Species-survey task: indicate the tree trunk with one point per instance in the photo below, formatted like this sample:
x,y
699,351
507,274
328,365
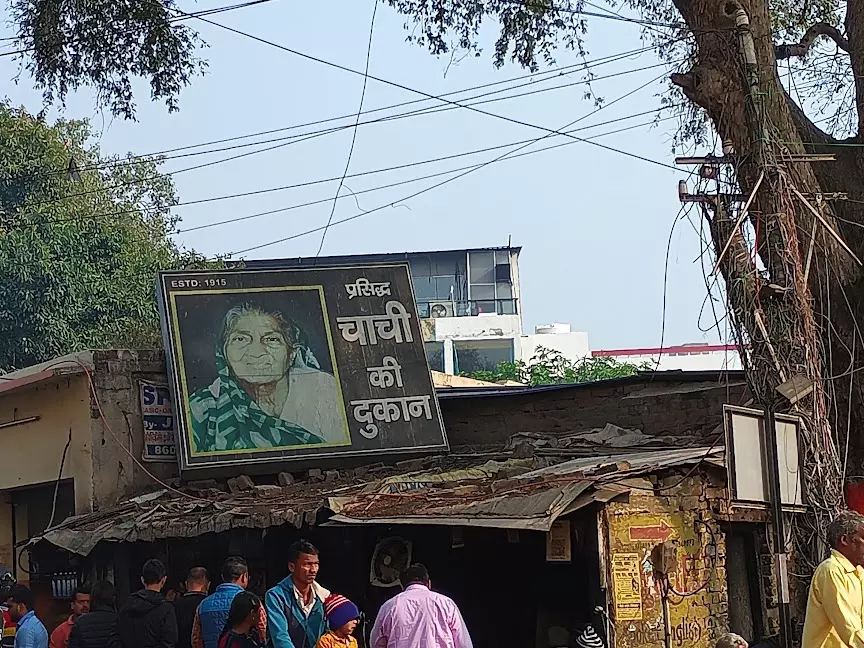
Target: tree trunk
x,y
800,316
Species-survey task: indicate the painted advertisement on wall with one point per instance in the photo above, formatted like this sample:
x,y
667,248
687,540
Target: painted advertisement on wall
x,y
275,365
635,528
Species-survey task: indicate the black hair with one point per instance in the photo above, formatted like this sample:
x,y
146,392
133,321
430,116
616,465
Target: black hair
x,y
415,573
103,594
301,547
242,605
153,572
197,575
83,590
234,568
21,594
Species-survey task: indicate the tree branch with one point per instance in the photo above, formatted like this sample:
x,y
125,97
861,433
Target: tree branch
x,y
789,50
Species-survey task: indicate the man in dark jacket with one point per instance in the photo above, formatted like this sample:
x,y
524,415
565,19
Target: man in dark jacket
x,y
97,628
147,620
186,607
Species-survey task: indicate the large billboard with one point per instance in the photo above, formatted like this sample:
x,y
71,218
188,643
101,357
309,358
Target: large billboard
x,y
280,365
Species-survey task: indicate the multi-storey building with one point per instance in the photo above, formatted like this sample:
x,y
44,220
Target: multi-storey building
x,y
468,299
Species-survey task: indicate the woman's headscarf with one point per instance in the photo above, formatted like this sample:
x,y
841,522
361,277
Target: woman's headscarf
x,y
225,417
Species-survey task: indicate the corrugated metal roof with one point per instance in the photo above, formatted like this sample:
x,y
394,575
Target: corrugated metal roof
x,y
517,493
533,500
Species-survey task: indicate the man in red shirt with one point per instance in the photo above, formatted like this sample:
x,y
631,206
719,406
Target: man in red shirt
x,y
80,605
7,625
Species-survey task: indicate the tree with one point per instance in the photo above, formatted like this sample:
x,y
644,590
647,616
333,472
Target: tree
x,y
81,240
106,45
797,311
550,367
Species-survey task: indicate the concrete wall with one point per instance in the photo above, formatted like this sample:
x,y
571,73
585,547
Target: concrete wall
x,y
687,410
116,475
32,452
478,327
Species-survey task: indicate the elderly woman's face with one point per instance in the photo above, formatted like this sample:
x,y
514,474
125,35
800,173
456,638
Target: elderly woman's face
x,y
256,349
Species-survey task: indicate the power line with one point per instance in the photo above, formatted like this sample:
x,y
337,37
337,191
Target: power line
x,y
465,171
354,194
354,129
461,175
394,84
399,167
559,72
297,139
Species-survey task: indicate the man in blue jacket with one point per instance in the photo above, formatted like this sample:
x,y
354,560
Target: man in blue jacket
x,y
213,611
295,606
30,632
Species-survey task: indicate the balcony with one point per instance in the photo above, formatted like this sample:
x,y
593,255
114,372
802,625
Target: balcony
x,y
468,308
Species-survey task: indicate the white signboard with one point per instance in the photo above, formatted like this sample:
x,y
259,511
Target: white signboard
x,y
157,414
747,460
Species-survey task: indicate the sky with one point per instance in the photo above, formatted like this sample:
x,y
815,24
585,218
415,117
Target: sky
x,y
593,223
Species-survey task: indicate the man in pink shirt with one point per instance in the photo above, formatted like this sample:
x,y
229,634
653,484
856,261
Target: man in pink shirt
x,y
419,617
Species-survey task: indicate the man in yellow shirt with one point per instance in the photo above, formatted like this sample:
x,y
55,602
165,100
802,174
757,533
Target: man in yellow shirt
x,y
835,608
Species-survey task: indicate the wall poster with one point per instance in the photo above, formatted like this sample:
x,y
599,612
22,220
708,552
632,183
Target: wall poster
x,y
160,443
276,365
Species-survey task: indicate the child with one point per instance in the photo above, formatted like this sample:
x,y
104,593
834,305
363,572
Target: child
x,y
343,616
240,629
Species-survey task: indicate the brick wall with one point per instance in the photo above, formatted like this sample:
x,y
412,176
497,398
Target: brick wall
x,y
684,516
117,375
690,411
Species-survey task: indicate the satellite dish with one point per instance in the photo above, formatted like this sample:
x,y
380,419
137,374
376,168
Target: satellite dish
x,y
390,558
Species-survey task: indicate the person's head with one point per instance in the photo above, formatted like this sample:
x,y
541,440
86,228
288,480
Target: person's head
x,y
731,640
19,601
303,563
81,601
846,535
415,574
197,580
103,595
342,615
153,575
235,570
244,613
258,345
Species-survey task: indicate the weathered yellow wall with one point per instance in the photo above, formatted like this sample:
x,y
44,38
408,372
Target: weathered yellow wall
x,y
32,452
683,517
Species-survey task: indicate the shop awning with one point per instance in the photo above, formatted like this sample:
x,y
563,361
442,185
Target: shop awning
x,y
531,501
511,494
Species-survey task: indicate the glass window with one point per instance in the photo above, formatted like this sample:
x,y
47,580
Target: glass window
x,y
445,288
435,355
482,267
482,355
420,268
502,256
481,292
506,306
424,288
503,291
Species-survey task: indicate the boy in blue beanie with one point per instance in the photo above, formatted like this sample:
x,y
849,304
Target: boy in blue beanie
x,y
342,617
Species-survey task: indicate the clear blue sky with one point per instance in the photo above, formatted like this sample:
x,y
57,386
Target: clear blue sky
x,y
593,224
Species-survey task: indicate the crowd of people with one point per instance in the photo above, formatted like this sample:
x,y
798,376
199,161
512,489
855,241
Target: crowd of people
x,y
297,612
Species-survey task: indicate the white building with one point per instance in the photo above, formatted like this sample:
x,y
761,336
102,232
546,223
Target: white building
x,y
685,357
